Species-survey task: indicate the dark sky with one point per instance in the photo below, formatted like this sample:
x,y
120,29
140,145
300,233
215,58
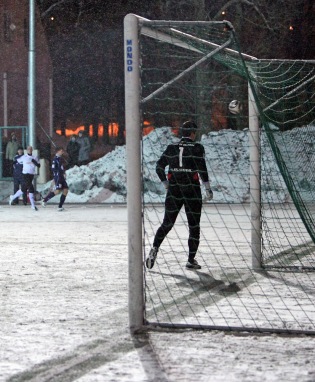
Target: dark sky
x,y
86,46
87,50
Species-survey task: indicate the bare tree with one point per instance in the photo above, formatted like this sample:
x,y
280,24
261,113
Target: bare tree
x,y
266,28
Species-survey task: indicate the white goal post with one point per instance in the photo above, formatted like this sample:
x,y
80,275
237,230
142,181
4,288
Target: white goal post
x,y
133,26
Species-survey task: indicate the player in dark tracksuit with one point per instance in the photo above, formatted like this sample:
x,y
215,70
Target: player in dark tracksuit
x,y
18,175
186,163
60,184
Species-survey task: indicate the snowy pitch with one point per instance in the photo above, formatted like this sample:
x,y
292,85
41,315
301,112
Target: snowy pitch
x,y
64,314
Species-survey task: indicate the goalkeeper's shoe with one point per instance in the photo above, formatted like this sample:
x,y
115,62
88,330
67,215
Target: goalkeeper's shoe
x,y
43,203
193,264
11,199
151,258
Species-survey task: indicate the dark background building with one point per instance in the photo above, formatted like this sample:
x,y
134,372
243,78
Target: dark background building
x,y
14,73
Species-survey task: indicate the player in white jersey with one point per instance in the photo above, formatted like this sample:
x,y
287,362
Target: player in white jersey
x,y
30,162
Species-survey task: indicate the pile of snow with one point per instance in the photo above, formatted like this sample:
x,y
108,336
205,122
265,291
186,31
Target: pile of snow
x,y
227,156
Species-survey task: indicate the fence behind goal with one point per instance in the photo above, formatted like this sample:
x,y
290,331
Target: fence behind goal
x,y
193,70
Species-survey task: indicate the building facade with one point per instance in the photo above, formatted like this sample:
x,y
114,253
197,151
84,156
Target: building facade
x,y
14,37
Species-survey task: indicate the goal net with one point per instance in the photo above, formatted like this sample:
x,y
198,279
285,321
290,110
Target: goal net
x,y
256,240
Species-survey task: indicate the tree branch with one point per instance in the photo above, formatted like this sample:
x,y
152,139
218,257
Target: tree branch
x,y
53,6
249,3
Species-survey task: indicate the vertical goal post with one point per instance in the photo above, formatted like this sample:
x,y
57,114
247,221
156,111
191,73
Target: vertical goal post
x,y
133,166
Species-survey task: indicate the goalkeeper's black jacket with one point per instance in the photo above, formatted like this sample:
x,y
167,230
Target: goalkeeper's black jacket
x,y
185,160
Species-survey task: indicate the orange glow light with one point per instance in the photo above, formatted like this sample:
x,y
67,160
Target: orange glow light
x,y
91,130
100,130
74,132
113,128
147,128
69,132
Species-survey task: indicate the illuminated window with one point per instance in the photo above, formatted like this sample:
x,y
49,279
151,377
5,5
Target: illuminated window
x,y
113,129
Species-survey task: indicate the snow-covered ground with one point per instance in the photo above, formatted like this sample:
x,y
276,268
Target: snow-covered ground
x,y
64,283
64,312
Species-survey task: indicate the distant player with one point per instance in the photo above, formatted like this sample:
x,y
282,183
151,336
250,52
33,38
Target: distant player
x,y
29,162
60,184
18,175
186,163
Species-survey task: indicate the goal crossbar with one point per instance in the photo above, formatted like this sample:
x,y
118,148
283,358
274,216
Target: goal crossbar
x,y
162,36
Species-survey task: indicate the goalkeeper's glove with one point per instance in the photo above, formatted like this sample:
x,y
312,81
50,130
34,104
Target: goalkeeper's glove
x,y
165,184
209,193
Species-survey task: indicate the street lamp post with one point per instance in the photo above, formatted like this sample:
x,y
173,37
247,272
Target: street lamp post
x,y
31,77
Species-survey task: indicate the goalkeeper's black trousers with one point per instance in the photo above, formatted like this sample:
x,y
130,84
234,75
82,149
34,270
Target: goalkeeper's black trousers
x,y
177,196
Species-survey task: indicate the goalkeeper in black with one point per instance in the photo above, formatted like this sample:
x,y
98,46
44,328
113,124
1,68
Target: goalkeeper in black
x,y
186,163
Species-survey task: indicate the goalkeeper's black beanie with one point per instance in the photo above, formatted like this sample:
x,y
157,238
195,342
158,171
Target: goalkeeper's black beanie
x,y
189,127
